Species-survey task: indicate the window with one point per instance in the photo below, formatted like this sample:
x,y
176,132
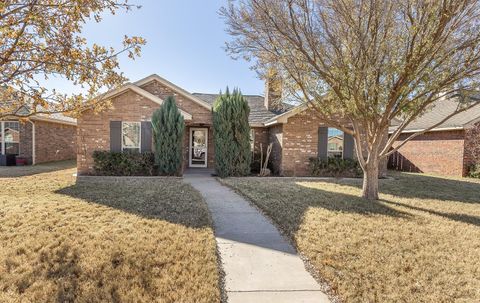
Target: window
x,y
131,136
335,143
252,140
10,137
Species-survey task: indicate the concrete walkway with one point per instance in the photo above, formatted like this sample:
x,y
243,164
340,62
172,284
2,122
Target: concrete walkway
x,y
259,265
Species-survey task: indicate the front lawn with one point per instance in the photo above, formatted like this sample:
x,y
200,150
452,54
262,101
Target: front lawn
x,y
109,240
419,243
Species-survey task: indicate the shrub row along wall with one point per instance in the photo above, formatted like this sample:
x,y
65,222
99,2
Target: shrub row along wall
x,y
124,163
334,167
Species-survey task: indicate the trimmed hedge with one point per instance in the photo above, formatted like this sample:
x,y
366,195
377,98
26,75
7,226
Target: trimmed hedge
x,y
335,167
107,163
474,171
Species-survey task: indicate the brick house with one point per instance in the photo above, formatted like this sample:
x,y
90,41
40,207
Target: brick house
x,y
449,149
295,132
40,139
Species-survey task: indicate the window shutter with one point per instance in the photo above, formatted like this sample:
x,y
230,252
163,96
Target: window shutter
x,y
322,142
348,146
146,134
116,136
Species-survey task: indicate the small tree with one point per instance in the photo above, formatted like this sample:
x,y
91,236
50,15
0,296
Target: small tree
x,y
168,127
231,134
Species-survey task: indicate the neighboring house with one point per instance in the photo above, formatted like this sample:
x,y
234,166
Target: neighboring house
x,y
449,149
43,138
335,145
295,132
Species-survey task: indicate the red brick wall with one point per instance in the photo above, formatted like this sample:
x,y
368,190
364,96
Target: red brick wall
x,y
26,141
260,137
275,136
54,142
472,147
201,117
200,114
94,129
260,144
300,142
439,152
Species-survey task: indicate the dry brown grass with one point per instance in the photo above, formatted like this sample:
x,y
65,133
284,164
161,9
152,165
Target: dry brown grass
x,y
419,243
104,241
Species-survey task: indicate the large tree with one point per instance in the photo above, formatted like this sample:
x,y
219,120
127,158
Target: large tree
x,y
41,39
369,62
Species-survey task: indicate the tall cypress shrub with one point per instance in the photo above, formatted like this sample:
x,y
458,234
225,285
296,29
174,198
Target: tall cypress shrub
x,y
231,134
168,127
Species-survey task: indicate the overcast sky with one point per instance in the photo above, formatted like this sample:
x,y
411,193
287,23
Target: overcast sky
x,y
185,40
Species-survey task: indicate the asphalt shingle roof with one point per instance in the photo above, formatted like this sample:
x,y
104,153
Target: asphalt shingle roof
x,y
258,112
58,117
441,109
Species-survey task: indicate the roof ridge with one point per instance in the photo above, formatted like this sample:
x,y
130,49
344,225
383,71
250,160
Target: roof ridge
x,y
247,95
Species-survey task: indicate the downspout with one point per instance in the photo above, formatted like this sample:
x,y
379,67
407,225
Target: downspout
x,y
33,142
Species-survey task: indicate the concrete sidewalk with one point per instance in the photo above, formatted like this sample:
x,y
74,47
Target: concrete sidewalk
x,y
259,265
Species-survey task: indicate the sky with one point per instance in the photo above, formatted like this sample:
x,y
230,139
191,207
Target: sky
x,y
185,40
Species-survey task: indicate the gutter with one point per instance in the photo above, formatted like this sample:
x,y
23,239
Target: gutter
x,y
53,120
269,123
432,130
256,124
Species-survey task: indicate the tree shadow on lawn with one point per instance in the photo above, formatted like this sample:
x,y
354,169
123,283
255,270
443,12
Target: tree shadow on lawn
x,y
420,186
57,264
160,199
431,187
451,216
347,203
289,210
60,268
410,186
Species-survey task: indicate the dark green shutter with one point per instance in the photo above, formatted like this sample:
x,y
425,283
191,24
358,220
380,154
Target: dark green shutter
x,y
348,146
146,136
322,142
116,136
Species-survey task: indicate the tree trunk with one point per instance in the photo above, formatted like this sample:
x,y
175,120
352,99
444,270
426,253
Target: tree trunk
x,y
370,180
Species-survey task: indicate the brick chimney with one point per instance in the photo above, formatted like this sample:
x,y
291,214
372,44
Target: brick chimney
x,y
273,91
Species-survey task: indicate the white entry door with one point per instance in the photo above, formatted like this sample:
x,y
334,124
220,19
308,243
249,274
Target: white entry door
x,y
198,147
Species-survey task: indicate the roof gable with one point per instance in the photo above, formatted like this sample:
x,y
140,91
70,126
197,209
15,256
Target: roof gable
x,y
174,87
144,93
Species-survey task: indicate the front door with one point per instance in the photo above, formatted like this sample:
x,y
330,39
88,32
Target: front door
x,y
198,147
